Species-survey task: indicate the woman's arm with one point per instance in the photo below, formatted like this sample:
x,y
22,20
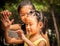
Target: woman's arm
x,y
46,37
10,40
27,41
15,27
42,43
6,23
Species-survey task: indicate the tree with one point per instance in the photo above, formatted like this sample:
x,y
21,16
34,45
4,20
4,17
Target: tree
x,y
51,3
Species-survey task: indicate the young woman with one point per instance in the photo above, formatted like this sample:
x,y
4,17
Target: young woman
x,y
24,9
34,28
23,13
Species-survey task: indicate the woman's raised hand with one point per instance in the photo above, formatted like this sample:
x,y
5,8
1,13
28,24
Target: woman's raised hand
x,y
5,19
6,12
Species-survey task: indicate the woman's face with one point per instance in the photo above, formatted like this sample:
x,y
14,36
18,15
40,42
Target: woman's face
x,y
24,12
32,25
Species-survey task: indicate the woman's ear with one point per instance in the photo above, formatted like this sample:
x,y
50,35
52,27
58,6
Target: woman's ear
x,y
40,24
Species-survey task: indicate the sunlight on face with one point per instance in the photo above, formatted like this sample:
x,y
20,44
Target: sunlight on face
x,y
31,25
24,12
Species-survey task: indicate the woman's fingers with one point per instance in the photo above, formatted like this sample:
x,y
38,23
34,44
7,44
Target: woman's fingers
x,y
6,22
6,12
12,21
3,12
20,32
2,20
5,19
4,16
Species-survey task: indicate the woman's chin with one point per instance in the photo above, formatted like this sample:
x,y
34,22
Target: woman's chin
x,y
29,34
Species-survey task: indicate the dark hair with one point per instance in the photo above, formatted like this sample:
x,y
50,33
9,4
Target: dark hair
x,y
42,18
24,3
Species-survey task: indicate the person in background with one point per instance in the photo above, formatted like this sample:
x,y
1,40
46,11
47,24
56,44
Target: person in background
x,y
35,24
24,9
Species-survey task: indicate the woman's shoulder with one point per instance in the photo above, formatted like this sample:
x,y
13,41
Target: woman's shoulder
x,y
40,41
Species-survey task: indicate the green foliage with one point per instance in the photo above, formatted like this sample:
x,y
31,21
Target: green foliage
x,y
41,5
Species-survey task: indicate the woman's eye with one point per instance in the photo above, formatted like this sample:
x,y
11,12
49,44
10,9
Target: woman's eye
x,y
31,12
30,24
22,15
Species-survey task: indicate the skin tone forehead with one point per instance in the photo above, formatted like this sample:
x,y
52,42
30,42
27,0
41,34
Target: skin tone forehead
x,y
26,8
31,19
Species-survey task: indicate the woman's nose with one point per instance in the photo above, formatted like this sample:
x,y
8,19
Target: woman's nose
x,y
28,27
26,15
